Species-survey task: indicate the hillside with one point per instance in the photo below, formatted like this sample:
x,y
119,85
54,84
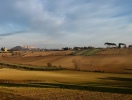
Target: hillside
x,y
87,52
91,52
107,60
115,52
100,77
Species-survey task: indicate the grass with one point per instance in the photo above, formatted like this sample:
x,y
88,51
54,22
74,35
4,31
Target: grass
x,y
92,52
88,52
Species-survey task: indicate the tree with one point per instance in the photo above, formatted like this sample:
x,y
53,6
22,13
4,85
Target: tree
x,y
77,64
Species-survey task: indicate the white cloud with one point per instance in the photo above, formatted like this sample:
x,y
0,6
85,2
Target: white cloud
x,y
66,22
38,17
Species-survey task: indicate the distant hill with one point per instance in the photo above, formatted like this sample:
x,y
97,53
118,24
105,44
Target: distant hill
x,y
122,51
94,51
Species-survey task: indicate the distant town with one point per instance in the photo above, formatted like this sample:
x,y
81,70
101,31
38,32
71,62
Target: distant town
x,y
31,48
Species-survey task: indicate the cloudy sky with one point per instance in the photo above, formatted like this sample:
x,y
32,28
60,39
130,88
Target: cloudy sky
x,y
61,23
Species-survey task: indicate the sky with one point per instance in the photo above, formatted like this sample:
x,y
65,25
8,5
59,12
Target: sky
x,y
65,23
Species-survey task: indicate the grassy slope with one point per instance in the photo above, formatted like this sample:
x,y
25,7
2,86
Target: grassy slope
x,y
88,52
115,52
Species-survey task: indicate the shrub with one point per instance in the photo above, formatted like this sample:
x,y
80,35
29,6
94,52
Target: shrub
x,y
77,64
60,66
49,64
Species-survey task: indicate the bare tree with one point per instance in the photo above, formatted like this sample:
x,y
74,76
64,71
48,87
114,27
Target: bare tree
x,y
77,64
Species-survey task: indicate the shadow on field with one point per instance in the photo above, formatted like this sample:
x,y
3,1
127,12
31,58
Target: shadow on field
x,y
119,85
128,69
118,79
118,82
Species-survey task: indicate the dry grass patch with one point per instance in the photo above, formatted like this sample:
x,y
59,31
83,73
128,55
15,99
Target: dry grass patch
x,y
57,94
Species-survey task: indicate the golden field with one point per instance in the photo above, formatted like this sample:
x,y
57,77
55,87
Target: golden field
x,y
63,85
112,81
26,93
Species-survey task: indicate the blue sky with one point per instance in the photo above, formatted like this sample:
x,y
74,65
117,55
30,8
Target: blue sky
x,y
61,23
